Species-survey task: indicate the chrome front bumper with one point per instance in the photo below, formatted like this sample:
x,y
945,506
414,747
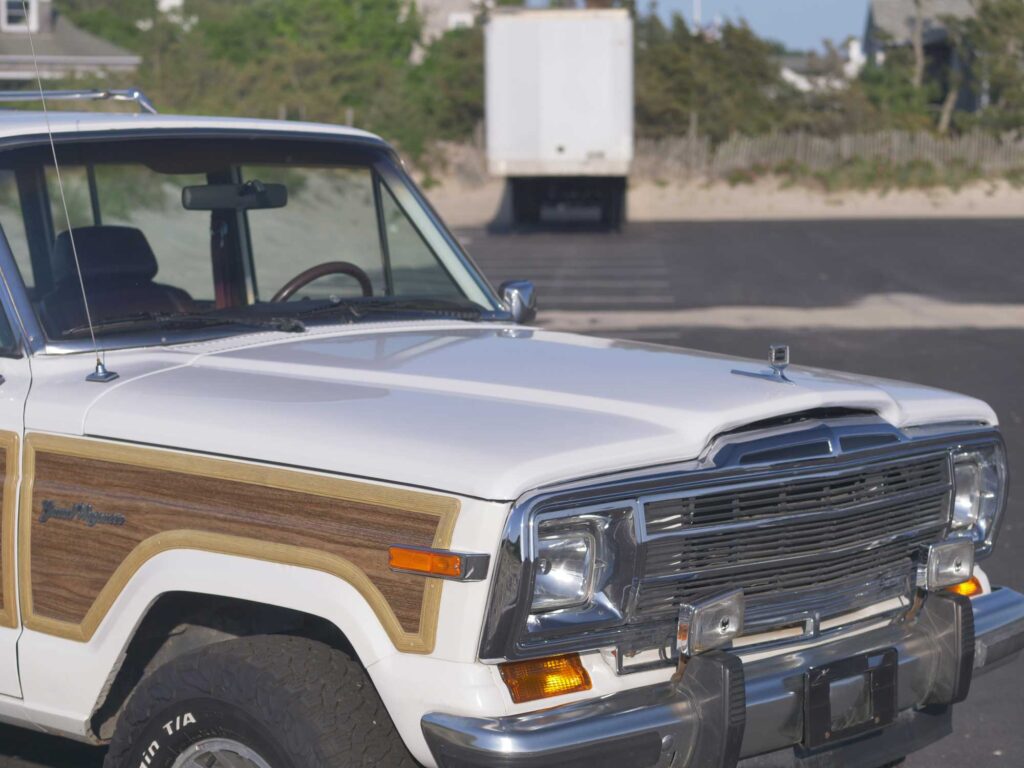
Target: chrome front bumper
x,y
694,724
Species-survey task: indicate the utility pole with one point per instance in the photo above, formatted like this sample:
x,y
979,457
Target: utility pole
x,y
696,14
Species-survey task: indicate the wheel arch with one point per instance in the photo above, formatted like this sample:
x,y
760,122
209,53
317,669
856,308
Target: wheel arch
x,y
181,622
205,597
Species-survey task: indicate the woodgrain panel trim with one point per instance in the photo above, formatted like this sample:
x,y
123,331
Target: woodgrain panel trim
x,y
438,512
8,516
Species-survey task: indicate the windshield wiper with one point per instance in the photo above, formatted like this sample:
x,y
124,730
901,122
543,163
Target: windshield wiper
x,y
169,320
356,309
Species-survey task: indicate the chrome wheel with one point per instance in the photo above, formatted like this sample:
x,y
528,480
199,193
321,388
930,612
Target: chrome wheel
x,y
220,753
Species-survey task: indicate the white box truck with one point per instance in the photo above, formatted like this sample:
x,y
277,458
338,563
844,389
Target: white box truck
x,y
559,108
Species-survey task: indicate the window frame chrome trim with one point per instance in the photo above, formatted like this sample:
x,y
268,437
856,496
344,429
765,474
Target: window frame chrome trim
x,y
504,627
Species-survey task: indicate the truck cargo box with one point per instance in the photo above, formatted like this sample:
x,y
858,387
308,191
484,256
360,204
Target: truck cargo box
x,y
559,93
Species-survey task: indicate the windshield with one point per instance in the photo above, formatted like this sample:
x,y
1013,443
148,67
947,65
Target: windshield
x,y
231,234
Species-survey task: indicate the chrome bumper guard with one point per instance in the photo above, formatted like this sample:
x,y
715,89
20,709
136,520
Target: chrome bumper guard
x,y
722,711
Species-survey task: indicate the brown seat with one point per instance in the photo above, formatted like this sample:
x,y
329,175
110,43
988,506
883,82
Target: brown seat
x,y
118,267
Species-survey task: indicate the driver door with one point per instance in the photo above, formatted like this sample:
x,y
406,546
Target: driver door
x,y
15,376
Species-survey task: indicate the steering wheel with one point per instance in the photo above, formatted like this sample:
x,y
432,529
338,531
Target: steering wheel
x,y
322,270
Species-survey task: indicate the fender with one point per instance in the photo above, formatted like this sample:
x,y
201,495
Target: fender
x,y
106,529
63,679
94,512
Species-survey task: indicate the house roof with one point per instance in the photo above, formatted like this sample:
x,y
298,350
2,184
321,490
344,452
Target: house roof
x,y
896,18
63,49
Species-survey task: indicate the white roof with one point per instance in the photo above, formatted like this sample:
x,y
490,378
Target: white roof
x,y
25,123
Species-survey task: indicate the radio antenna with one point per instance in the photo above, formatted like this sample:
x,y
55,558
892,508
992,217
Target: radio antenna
x,y
100,373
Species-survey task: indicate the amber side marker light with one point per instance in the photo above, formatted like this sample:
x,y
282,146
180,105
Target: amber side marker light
x,y
543,678
424,561
968,588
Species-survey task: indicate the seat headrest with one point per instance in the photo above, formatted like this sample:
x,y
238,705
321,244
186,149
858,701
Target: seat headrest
x,y
104,252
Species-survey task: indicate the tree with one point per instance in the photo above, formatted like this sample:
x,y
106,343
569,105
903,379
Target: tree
x,y
732,82
313,59
889,88
955,30
830,111
449,84
329,59
991,45
917,43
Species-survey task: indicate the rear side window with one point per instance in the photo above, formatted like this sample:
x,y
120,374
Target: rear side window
x,y
13,224
9,346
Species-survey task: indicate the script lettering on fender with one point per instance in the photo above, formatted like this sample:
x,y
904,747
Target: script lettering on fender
x,y
81,513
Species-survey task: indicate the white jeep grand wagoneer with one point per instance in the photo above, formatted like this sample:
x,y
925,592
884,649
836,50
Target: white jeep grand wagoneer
x,y
288,484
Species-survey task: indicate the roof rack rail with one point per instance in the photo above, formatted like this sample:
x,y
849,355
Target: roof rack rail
x,y
126,94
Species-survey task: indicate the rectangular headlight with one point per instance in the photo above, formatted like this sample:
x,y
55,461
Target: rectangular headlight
x,y
564,576
581,570
979,480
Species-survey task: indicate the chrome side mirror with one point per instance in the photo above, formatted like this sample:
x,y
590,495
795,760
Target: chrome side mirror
x,y
520,298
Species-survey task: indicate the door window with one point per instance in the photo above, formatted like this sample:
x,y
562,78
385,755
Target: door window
x,y
13,224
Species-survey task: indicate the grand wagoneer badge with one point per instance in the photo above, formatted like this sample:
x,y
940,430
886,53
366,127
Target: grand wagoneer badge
x,y
82,513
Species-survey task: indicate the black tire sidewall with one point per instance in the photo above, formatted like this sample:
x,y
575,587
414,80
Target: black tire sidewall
x,y
178,727
294,701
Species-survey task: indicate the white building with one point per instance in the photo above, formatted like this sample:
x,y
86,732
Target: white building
x,y
439,16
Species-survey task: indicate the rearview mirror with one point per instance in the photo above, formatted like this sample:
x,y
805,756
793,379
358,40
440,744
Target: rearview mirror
x,y
521,299
250,196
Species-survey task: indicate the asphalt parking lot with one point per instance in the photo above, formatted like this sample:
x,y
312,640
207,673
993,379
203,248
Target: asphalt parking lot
x,y
966,269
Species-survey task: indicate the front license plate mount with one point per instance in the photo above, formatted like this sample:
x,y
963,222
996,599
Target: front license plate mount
x,y
848,698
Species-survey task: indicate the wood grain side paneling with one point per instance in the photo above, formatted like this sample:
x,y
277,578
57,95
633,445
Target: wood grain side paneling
x,y
134,503
9,460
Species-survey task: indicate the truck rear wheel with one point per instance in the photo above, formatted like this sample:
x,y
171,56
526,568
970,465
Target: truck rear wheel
x,y
257,702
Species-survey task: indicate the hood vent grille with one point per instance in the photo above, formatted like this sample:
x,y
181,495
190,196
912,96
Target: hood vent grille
x,y
799,452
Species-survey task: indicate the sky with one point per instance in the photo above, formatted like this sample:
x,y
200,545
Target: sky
x,y
800,24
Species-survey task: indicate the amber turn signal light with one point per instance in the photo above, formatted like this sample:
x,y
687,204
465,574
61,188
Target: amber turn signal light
x,y
968,588
543,678
425,561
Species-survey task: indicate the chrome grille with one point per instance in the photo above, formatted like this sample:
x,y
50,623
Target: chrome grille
x,y
824,542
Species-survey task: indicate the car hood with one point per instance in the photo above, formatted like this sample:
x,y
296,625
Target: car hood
x,y
483,411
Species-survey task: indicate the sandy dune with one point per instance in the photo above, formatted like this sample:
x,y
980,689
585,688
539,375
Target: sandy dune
x,y
476,204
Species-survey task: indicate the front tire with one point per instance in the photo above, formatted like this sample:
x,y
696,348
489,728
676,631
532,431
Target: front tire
x,y
257,702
